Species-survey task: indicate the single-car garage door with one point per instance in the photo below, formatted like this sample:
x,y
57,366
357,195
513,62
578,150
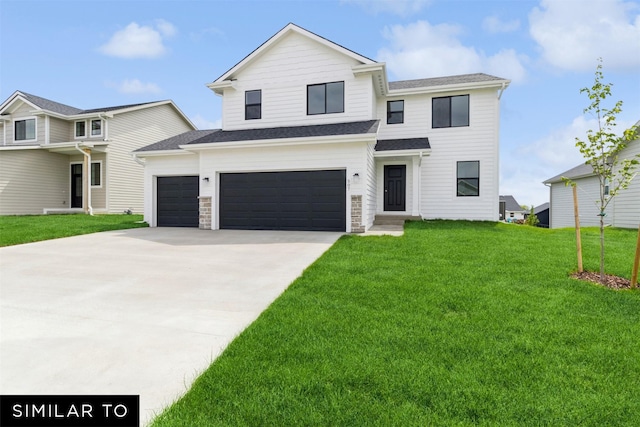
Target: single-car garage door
x,y
299,200
177,201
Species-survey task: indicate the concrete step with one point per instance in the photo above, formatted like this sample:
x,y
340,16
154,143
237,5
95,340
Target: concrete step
x,y
394,219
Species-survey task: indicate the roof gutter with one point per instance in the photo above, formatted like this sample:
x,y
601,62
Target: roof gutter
x,y
504,86
88,170
137,160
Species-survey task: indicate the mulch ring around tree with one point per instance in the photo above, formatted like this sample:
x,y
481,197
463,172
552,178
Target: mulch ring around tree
x,y
613,282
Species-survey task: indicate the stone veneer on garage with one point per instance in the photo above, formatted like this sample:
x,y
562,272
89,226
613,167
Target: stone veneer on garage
x,y
356,215
204,222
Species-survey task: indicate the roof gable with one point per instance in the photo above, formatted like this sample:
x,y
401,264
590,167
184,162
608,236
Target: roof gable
x,y
511,204
288,29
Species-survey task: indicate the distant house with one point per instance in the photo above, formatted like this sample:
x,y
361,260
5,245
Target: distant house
x,y
623,211
542,213
58,158
315,137
510,209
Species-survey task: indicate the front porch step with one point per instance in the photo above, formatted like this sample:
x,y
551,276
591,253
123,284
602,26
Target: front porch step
x,y
394,219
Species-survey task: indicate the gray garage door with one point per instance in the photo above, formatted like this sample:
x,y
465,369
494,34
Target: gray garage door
x,y
300,200
177,201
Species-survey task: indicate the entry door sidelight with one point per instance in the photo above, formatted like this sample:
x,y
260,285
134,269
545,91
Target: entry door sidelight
x,y
395,187
76,185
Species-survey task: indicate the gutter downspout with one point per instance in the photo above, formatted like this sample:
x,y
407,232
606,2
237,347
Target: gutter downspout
x,y
88,171
504,86
137,160
550,202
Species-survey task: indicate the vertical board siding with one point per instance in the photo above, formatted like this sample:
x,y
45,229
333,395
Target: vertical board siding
x,y
283,73
32,180
127,132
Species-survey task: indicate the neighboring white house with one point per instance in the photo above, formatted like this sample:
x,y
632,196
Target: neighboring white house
x,y
512,209
55,158
314,137
623,211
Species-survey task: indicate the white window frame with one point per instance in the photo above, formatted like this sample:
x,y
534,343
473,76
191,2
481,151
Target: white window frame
x,y
90,174
75,135
21,119
91,134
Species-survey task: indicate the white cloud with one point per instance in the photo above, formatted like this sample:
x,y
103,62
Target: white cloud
x,y
135,86
202,123
397,7
493,24
135,41
422,50
573,34
525,168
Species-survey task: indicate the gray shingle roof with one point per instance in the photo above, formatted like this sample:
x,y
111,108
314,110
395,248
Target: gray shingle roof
x,y
47,104
511,204
67,110
217,135
541,208
175,142
402,144
443,81
576,172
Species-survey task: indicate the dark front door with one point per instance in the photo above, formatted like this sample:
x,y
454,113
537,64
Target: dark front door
x,y
296,200
395,187
76,185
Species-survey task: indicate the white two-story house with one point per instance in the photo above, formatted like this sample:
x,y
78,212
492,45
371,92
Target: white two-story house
x,y
58,158
315,137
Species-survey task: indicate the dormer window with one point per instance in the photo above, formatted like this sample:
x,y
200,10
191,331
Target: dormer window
x,y
25,130
252,104
81,129
96,127
325,98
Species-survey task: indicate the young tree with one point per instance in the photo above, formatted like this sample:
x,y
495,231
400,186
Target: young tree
x,y
532,219
602,148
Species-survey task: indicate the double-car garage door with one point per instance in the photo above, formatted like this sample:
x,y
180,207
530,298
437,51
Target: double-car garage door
x,y
296,200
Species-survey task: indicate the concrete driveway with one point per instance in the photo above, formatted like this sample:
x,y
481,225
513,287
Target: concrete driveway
x,y
140,311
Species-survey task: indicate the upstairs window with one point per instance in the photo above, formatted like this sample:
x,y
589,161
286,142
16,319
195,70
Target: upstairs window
x,y
395,112
96,127
450,111
25,130
325,98
81,129
468,175
252,104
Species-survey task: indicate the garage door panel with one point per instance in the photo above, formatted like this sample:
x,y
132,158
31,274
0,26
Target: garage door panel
x,y
177,201
297,200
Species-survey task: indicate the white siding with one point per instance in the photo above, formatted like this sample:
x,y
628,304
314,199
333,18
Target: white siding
x,y
176,165
626,209
283,73
561,213
21,112
124,178
349,156
32,180
370,199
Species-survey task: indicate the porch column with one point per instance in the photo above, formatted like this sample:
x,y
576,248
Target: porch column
x,y
417,185
86,180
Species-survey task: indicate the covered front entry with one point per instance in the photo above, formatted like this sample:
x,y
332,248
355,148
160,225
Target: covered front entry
x,y
177,201
296,200
395,187
76,185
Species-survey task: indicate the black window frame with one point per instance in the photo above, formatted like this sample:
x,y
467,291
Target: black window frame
x,y
96,174
326,102
467,179
447,121
251,108
22,134
397,116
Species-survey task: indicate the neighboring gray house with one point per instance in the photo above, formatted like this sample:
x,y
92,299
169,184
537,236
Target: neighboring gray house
x,y
542,213
314,137
57,158
510,209
623,211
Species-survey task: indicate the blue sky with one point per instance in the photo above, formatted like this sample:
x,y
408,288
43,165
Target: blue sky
x,y
92,54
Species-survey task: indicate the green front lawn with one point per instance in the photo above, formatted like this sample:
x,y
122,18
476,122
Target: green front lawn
x,y
15,230
455,323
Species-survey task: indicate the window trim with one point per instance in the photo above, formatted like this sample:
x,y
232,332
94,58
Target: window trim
x,y
96,135
24,119
433,126
458,178
96,162
75,129
325,98
389,112
247,105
